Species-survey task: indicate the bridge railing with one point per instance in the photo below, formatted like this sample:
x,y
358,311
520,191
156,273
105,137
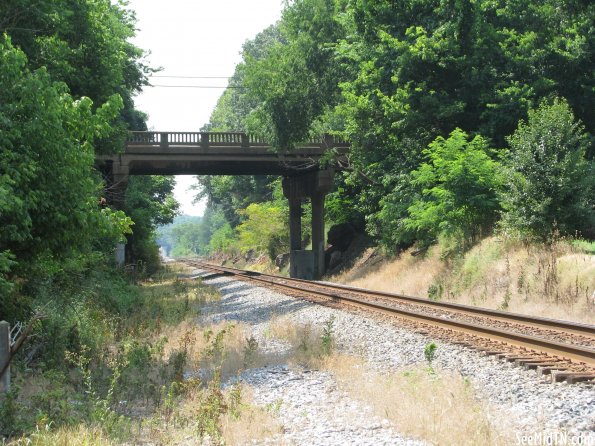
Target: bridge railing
x,y
216,139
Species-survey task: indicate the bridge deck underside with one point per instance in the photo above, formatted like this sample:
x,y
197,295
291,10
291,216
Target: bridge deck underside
x,y
184,160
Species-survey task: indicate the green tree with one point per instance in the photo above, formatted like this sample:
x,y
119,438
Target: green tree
x,y
166,236
550,185
49,190
393,76
85,44
187,240
236,104
295,79
424,68
223,239
265,229
230,194
458,187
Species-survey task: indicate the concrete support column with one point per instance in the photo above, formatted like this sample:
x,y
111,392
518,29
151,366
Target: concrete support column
x,y
295,224
318,240
120,174
5,356
306,264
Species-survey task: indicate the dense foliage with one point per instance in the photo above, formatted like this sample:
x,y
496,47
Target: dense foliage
x,y
458,190
49,192
181,237
68,74
150,203
397,78
550,184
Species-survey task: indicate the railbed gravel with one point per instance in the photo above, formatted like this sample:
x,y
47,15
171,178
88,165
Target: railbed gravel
x,y
517,400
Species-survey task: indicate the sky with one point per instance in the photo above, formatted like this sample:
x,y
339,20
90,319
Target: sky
x,y
193,38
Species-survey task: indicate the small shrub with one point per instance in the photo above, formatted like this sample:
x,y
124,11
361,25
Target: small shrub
x,y
430,353
211,406
9,411
326,339
506,300
458,187
261,230
250,351
435,292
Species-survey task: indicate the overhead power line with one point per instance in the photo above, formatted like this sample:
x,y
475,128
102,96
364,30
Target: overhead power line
x,y
193,86
191,77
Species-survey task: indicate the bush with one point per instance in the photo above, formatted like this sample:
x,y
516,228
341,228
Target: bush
x,y
550,184
264,230
458,190
223,239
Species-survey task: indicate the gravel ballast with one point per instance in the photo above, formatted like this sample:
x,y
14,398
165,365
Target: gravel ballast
x,y
314,411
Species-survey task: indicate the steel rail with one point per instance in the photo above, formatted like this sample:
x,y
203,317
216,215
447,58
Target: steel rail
x,y
539,322
569,351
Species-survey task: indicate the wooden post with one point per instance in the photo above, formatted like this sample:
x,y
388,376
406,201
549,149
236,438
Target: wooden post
x,y
5,356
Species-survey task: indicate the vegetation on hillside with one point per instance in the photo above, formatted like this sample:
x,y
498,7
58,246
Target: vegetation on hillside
x,y
555,280
464,117
68,74
133,376
182,237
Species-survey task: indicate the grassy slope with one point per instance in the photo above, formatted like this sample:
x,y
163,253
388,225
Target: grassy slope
x,y
135,387
556,281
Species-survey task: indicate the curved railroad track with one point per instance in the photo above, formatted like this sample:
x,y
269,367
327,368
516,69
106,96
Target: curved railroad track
x,y
565,350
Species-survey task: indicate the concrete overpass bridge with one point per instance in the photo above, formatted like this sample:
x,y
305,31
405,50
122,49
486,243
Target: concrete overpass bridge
x,y
232,153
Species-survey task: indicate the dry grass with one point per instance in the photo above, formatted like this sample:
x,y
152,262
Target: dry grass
x,y
307,342
203,351
251,424
241,422
406,275
194,405
440,408
72,436
170,387
556,282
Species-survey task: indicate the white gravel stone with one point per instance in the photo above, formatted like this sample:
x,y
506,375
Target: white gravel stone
x,y
314,412
517,399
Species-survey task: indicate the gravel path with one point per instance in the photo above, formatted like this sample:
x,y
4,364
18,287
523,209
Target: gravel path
x,y
518,400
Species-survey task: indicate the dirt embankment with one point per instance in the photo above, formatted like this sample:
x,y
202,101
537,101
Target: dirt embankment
x,y
556,281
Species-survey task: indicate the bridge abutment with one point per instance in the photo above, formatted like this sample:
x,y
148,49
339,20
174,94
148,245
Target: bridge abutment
x,y
307,264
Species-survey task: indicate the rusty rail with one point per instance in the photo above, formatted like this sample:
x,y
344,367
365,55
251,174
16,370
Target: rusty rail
x,y
582,354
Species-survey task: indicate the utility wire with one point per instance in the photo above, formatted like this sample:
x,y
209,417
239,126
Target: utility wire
x,y
192,77
193,86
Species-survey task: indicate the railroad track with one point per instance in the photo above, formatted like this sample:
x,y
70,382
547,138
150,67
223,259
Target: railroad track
x,y
563,350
